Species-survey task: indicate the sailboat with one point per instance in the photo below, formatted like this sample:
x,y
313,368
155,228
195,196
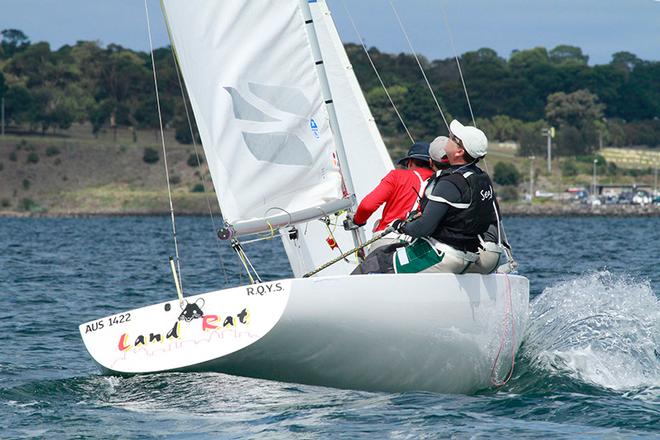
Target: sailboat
x,y
291,146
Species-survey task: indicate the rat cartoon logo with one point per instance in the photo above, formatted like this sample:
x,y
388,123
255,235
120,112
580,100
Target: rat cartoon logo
x,y
192,311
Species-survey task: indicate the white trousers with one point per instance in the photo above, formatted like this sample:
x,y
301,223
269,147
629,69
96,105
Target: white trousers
x,y
391,238
489,259
453,260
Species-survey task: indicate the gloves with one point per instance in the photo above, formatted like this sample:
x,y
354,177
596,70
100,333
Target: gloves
x,y
397,225
349,223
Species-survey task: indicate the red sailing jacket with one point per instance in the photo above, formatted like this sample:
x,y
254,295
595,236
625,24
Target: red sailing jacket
x,y
398,190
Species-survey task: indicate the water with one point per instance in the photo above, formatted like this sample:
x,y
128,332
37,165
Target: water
x,y
589,366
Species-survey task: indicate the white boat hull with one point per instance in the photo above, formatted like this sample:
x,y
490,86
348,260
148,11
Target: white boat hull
x,y
434,332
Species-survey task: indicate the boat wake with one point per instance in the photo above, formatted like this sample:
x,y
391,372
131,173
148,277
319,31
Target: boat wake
x,y
599,330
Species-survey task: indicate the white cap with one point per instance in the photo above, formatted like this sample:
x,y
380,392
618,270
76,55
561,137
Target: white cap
x,y
474,140
437,148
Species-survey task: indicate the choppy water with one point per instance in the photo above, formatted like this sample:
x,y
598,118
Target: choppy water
x,y
589,366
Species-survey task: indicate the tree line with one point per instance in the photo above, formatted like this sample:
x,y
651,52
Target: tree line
x,y
514,99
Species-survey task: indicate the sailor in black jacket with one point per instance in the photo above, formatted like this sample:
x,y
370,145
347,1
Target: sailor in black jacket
x,y
457,208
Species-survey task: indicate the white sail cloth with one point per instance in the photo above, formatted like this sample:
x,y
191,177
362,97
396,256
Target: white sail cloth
x,y
366,153
251,78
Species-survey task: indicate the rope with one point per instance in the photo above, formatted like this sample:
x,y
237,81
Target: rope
x,y
348,253
373,66
428,84
507,310
199,163
162,138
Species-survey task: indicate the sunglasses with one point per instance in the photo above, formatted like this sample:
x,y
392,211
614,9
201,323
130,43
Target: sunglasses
x,y
455,139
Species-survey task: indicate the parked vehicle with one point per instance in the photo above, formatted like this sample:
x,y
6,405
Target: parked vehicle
x,y
579,195
625,198
641,197
609,200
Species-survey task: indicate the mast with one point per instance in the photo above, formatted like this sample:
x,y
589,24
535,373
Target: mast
x,y
358,235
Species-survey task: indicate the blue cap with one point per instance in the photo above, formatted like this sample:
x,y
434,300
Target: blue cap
x,y
419,150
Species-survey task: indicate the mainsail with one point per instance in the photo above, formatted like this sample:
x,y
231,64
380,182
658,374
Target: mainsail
x,y
255,91
251,78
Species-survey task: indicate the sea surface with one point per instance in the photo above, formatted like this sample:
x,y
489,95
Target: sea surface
x,y
589,366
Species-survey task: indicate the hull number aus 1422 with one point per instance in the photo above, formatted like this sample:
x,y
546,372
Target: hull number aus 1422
x,y
113,320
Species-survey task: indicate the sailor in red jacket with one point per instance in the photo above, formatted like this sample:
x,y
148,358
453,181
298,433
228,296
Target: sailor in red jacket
x,y
400,191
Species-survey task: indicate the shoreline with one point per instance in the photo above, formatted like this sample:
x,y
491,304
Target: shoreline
x,y
579,210
521,210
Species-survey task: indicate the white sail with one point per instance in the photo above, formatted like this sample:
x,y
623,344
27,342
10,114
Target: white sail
x,y
365,151
252,81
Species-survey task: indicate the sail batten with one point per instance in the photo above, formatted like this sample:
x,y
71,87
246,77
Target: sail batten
x,y
250,74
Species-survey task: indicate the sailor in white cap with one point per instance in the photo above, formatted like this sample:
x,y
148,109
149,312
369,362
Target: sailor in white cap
x,y
457,210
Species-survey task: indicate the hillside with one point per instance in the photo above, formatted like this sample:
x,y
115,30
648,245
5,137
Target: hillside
x,y
75,173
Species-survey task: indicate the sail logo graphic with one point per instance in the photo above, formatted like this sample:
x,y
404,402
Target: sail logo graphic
x,y
315,128
275,122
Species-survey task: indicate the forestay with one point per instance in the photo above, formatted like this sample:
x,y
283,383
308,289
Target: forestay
x,y
253,85
368,158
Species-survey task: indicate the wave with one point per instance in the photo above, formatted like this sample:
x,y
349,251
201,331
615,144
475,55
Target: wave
x,y
598,330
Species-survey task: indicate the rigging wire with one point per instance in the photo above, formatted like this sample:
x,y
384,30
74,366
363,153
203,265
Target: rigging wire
x,y
428,84
460,71
373,66
162,138
199,163
458,63
247,264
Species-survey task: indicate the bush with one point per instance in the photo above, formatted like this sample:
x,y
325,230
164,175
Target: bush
x,y
52,151
182,134
182,131
192,160
26,184
508,193
33,158
589,158
568,168
2,166
506,174
175,180
199,188
5,203
612,169
150,155
28,205
13,157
